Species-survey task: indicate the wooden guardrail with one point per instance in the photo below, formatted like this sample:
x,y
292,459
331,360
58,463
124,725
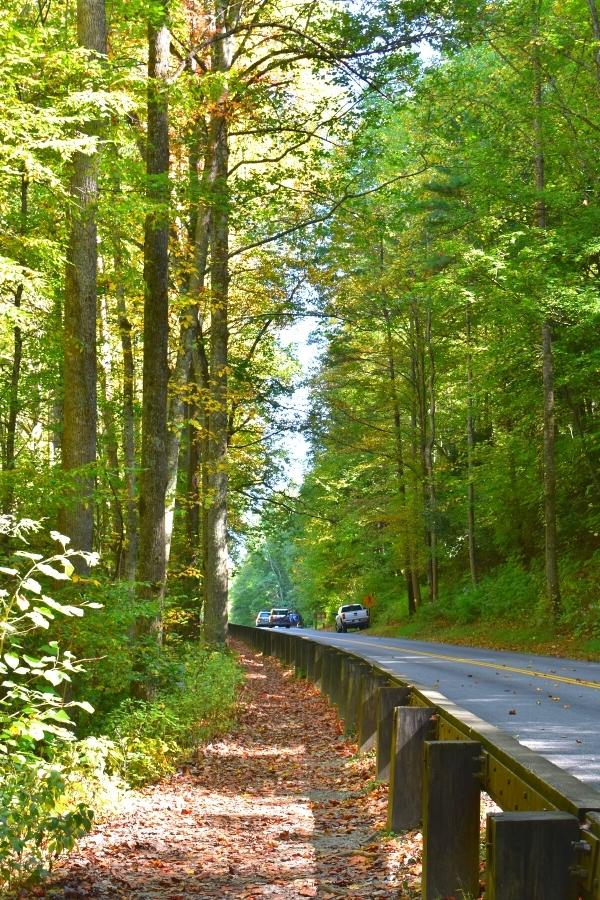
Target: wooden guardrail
x,y
438,758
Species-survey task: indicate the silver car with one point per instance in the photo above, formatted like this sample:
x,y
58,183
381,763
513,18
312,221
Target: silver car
x,y
262,619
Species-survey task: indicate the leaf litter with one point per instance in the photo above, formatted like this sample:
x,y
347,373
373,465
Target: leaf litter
x,y
281,807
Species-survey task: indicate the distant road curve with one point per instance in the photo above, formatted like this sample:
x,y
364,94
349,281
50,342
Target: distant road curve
x,y
550,705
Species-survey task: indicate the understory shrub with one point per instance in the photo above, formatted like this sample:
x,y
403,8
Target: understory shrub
x,y
33,828
152,737
36,824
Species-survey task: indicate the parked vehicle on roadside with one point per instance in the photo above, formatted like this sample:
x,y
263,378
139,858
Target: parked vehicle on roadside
x,y
262,619
279,618
352,615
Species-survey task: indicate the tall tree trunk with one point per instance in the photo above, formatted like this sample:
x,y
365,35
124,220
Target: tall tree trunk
x,y
129,558
15,374
408,562
217,562
110,440
549,453
153,477
188,328
470,447
429,460
190,323
416,507
79,415
217,574
426,420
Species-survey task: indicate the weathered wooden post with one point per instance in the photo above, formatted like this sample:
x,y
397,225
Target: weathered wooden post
x,y
341,694
389,698
319,656
336,678
310,659
267,642
326,670
451,798
412,726
530,855
297,655
369,705
356,672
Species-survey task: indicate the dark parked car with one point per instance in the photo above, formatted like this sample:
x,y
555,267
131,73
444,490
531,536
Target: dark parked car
x,y
280,618
262,619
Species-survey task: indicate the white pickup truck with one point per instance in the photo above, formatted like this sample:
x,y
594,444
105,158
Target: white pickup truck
x,y
353,615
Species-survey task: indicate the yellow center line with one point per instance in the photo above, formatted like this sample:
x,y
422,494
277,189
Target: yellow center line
x,y
562,679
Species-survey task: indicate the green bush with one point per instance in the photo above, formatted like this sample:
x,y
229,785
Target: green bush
x,y
34,830
154,736
580,584
36,824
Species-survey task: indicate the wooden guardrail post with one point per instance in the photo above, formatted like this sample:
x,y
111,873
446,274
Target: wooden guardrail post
x,y
412,726
326,670
530,855
369,704
342,693
338,674
389,698
310,659
318,665
298,651
356,671
451,798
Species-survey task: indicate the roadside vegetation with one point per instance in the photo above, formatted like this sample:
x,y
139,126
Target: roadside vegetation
x,y
63,763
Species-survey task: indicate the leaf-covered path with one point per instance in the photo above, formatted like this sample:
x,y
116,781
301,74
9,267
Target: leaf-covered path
x,y
280,808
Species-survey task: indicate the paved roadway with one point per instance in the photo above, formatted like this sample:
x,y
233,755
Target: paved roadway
x,y
550,705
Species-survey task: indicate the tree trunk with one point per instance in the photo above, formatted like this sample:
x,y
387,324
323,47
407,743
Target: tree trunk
x,y
429,461
129,558
217,573
190,323
79,415
153,478
408,563
113,475
552,577
416,488
470,448
217,561
15,375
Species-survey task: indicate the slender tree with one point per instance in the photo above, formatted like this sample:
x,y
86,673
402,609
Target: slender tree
x,y
79,429
153,478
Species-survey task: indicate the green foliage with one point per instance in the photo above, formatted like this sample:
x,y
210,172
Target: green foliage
x,y
34,715
33,832
151,737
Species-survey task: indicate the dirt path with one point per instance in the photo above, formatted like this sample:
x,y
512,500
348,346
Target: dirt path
x,y
278,808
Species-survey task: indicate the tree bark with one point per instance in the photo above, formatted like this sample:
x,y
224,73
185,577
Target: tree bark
x,y
190,323
113,474
129,557
79,415
429,461
470,447
408,562
15,374
549,453
217,561
153,477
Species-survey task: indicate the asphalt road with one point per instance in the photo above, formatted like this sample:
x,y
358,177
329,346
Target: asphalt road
x,y
550,705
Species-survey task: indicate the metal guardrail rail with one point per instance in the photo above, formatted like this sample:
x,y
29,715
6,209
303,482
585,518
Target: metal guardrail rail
x,y
546,810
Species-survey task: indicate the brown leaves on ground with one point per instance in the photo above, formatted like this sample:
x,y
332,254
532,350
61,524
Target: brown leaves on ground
x,y
280,808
